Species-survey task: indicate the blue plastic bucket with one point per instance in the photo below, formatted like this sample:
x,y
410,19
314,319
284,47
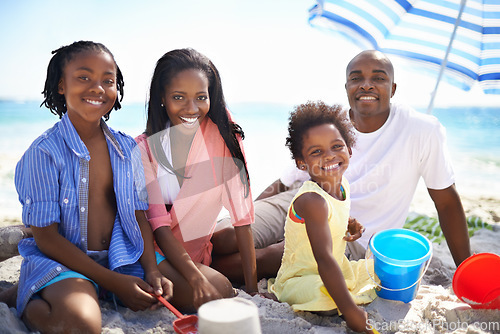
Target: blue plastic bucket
x,y
399,257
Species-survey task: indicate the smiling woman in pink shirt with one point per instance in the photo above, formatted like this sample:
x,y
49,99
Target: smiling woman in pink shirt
x,y
194,166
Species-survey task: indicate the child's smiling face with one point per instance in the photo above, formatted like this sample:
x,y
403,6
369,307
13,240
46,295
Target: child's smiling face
x,y
88,84
324,153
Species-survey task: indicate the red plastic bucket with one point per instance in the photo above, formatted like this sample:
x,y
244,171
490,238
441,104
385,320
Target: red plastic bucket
x,y
477,281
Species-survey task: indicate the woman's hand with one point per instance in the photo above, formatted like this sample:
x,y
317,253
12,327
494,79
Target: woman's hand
x,y
203,291
354,230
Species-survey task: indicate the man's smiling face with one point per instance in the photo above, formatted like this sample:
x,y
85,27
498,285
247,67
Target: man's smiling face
x,y
370,84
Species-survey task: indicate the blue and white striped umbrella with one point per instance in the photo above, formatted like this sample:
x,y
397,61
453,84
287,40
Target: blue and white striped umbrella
x,y
460,36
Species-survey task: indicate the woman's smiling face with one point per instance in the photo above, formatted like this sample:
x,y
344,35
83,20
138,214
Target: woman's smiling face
x,y
186,99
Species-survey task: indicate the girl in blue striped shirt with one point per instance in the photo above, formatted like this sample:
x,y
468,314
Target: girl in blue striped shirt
x,y
78,184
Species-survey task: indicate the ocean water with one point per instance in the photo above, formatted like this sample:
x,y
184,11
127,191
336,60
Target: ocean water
x,y
473,138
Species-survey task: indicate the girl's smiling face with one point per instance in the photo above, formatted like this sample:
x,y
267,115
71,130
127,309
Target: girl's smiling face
x,y
88,84
186,99
324,153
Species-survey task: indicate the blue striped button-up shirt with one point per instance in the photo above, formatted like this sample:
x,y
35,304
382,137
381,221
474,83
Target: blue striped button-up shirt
x,y
52,182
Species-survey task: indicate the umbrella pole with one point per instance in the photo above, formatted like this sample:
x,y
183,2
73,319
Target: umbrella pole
x,y
445,60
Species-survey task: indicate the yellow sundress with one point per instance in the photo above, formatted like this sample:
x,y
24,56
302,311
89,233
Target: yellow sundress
x,y
298,282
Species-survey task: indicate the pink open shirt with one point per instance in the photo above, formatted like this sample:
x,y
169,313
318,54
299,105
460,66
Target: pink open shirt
x,y
212,181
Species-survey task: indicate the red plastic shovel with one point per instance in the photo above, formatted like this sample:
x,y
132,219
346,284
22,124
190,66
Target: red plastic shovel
x,y
186,324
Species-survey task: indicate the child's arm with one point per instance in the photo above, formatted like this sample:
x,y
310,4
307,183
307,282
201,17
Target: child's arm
x,y
247,251
130,290
152,275
313,208
203,290
160,284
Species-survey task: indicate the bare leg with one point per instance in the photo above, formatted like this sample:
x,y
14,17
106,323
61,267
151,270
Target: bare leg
x,y
268,233
229,264
183,293
70,305
224,242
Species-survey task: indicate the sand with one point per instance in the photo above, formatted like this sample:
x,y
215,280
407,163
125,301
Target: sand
x,y
435,309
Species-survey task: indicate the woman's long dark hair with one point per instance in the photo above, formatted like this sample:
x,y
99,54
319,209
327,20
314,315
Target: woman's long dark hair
x,y
57,102
167,67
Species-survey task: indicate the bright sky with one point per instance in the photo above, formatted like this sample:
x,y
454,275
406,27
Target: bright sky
x,y
264,49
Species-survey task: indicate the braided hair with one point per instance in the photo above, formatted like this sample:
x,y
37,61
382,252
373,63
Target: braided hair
x,y
57,102
167,67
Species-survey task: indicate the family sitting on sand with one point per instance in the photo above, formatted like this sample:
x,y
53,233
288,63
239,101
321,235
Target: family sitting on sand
x,y
107,217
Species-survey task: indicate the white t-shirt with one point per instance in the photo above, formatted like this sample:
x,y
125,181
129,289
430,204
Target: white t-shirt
x,y
292,174
386,165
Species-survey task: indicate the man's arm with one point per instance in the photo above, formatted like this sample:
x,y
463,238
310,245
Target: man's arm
x,y
453,223
273,189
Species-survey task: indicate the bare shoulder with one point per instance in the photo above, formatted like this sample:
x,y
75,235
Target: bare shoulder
x,y
311,205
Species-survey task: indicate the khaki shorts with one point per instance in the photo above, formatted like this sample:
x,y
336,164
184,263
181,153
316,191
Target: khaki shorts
x,y
354,251
269,226
270,215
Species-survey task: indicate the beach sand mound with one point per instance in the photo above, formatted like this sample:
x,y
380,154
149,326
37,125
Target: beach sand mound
x,y
436,309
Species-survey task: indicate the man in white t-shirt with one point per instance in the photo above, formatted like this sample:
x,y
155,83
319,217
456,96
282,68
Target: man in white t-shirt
x,y
395,146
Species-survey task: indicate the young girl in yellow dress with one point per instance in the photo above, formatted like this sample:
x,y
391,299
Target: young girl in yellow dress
x,y
315,275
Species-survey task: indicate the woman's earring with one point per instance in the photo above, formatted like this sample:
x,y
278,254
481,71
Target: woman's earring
x,y
162,105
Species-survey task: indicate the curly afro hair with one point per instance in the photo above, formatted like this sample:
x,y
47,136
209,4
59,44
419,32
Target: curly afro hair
x,y
311,114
